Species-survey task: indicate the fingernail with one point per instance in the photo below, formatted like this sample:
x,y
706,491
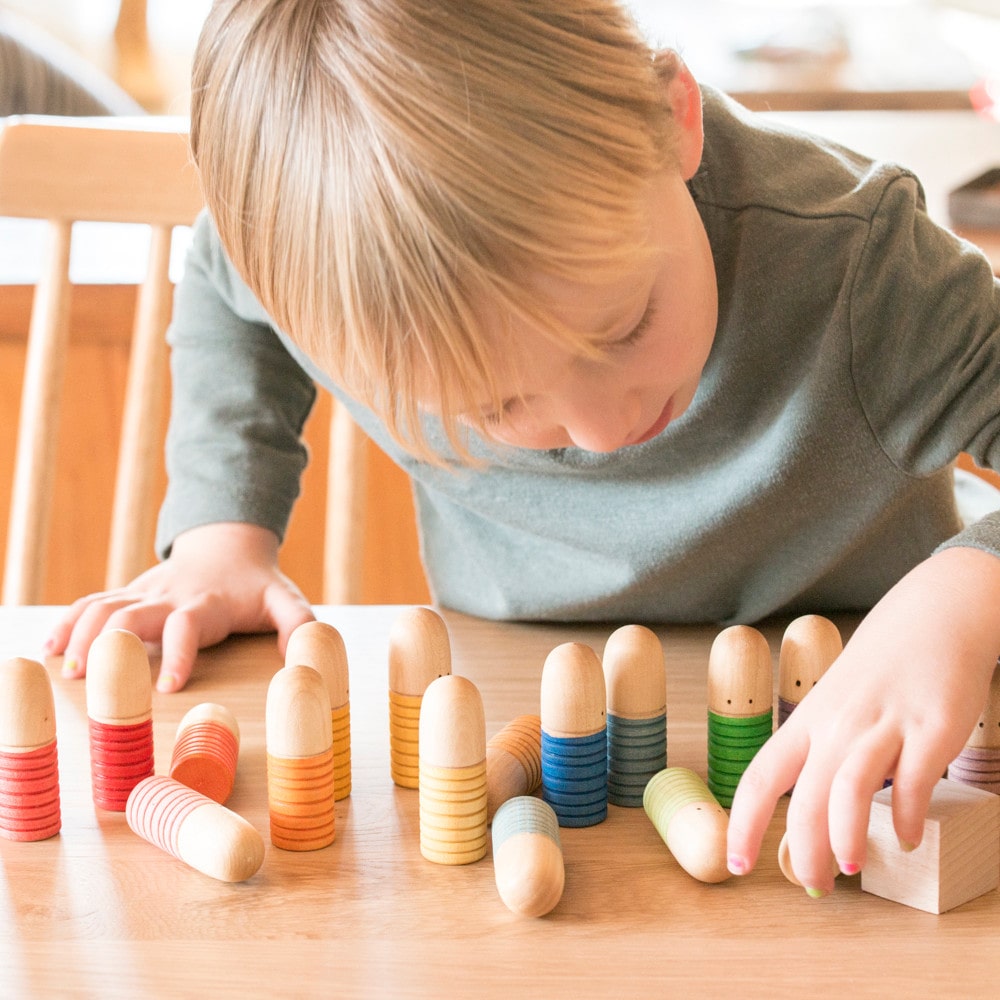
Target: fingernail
x,y
906,846
816,893
737,865
849,867
166,683
70,667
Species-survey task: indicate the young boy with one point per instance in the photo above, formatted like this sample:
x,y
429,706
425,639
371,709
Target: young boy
x,y
645,357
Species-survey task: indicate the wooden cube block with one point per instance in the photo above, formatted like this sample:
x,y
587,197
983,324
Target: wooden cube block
x,y
957,860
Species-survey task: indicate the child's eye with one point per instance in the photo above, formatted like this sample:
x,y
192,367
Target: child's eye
x,y
636,333
497,417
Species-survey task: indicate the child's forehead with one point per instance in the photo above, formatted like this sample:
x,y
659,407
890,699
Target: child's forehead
x,y
521,355
596,308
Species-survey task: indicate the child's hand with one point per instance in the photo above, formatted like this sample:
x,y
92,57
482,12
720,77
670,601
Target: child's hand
x,y
900,702
219,579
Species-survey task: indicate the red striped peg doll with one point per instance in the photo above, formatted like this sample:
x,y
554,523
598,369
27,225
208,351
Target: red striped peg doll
x,y
194,829
29,767
120,711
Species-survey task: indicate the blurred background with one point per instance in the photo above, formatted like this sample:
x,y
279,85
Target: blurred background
x,y
920,54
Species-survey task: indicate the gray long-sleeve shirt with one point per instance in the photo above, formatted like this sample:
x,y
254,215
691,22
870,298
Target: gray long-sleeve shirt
x,y
857,352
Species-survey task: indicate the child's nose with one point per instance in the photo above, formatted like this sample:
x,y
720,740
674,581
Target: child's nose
x,y
595,422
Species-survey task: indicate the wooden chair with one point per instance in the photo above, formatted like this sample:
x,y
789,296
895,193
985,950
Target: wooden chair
x,y
135,171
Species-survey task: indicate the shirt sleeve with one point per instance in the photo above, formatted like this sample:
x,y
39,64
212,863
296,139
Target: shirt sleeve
x,y
925,328
239,403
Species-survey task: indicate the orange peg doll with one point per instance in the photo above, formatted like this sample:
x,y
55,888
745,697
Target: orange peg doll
x,y
419,653
320,646
513,761
300,778
206,750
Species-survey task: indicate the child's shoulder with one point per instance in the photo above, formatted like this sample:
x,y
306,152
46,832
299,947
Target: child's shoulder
x,y
208,258
751,161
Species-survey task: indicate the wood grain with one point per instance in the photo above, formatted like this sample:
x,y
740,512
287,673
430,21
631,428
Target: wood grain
x,y
98,912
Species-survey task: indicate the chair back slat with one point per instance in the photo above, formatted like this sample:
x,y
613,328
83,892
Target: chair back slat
x,y
98,170
65,170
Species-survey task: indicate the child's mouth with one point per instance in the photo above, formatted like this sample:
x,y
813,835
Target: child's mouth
x,y
661,422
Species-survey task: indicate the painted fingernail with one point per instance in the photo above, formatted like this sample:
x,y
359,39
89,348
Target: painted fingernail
x,y
816,893
907,846
737,865
70,668
849,867
166,683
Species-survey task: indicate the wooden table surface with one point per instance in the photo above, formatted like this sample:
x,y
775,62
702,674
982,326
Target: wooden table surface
x,y
98,912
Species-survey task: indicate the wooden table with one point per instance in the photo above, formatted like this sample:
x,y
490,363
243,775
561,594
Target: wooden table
x,y
97,912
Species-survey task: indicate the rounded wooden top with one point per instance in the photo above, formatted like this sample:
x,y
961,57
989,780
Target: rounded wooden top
x,y
119,685
220,843
740,679
321,646
697,839
27,709
573,695
209,712
419,651
297,714
635,673
810,644
987,731
452,729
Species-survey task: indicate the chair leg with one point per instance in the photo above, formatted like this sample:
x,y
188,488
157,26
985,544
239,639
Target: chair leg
x,y
133,520
346,499
27,533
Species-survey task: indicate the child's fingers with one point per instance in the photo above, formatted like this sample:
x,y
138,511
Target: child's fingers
x,y
871,760
287,609
769,775
808,830
912,787
185,631
91,621
65,623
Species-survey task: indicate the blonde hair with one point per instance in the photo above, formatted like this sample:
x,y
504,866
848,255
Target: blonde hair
x,y
384,172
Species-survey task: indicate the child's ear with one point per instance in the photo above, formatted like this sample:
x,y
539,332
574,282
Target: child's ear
x,y
684,98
